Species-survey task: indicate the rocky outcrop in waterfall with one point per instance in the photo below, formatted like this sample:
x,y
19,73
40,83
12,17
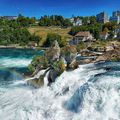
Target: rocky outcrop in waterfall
x,y
60,59
69,53
53,53
57,60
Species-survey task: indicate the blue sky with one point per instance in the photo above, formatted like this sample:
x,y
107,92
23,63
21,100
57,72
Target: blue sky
x,y
66,8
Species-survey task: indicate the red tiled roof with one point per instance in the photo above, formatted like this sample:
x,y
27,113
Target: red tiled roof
x,y
83,34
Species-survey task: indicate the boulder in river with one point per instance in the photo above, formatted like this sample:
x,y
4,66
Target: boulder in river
x,y
53,74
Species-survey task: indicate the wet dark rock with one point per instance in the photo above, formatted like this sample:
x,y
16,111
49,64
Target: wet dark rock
x,y
53,74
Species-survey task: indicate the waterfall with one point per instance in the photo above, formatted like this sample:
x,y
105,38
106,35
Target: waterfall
x,y
36,76
87,93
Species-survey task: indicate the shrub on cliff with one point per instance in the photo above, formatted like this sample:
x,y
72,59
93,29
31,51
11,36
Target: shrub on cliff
x,y
31,68
59,66
38,62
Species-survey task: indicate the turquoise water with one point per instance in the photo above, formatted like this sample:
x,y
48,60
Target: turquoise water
x,y
14,62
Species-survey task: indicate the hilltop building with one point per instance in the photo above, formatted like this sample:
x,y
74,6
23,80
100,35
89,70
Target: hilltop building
x,y
115,17
116,13
104,35
9,17
84,36
102,17
76,21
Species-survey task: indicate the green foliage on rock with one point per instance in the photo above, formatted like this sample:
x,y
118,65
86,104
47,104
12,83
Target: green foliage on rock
x,y
38,62
69,53
31,68
59,66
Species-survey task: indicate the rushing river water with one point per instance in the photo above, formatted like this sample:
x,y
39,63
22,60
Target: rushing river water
x,y
91,92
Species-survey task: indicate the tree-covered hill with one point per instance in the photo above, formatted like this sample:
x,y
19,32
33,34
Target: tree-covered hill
x,y
15,32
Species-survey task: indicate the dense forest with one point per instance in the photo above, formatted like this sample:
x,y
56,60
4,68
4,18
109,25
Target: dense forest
x,y
15,31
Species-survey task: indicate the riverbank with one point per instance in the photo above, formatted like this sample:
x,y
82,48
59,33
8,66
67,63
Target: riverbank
x,y
14,46
22,47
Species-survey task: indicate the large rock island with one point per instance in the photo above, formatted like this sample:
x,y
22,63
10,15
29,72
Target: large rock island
x,y
53,63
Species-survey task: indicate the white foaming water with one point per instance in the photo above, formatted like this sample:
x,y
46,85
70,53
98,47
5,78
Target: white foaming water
x,y
75,95
7,62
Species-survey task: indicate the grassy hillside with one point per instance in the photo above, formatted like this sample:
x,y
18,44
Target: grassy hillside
x,y
43,31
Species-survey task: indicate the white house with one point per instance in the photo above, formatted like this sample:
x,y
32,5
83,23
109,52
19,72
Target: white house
x,y
82,36
76,21
104,35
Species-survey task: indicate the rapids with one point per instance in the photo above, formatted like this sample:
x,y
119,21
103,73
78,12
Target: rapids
x,y
91,92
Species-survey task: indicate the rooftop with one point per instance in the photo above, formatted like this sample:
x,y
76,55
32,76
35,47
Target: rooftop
x,y
85,34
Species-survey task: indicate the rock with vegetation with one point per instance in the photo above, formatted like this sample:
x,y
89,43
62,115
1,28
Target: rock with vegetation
x,y
69,52
57,68
38,63
53,53
52,60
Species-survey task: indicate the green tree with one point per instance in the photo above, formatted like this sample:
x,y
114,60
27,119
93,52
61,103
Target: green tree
x,y
110,25
51,37
93,20
54,20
